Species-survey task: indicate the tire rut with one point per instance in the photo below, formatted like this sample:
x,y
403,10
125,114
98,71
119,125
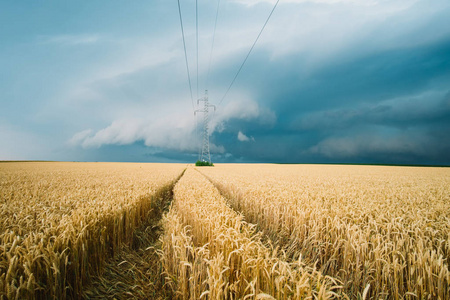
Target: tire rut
x,y
136,271
269,240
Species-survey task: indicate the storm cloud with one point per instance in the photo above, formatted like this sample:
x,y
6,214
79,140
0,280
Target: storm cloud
x,y
330,81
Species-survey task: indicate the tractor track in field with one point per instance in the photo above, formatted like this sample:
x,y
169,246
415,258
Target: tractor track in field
x,y
136,271
290,251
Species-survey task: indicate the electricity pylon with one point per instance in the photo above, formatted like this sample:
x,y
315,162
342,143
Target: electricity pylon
x,y
206,156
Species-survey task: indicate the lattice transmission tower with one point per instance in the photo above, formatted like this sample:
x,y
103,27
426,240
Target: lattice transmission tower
x,y
206,156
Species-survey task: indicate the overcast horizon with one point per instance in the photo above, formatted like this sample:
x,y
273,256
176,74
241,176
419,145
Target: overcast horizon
x,y
329,81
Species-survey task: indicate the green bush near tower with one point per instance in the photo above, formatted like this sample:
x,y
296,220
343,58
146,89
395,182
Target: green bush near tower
x,y
200,163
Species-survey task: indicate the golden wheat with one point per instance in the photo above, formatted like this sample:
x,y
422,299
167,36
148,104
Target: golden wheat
x,y
59,222
383,231
283,232
209,251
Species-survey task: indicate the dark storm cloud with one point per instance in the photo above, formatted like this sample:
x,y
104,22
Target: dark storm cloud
x,y
427,109
373,78
328,81
388,107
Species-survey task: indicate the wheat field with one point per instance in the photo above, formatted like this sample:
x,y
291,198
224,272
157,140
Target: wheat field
x,y
386,229
233,231
225,258
59,222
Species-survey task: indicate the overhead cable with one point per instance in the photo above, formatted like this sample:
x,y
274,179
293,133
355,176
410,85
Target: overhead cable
x,y
248,54
196,35
212,45
185,56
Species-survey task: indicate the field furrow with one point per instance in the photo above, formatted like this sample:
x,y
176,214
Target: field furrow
x,y
98,230
383,230
208,250
135,271
61,222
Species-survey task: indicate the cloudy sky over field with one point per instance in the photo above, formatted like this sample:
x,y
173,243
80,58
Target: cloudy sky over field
x,y
328,81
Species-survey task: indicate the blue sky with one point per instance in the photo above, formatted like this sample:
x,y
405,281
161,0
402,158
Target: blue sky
x,y
329,81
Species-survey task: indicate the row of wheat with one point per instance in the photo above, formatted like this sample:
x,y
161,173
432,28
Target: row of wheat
x,y
209,252
386,228
59,222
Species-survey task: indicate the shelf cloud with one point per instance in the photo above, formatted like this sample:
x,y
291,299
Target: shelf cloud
x,y
331,81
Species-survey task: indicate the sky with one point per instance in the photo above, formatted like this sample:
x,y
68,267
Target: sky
x,y
329,81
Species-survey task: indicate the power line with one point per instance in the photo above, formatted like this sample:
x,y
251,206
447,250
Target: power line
x,y
212,45
196,40
185,56
196,34
248,54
